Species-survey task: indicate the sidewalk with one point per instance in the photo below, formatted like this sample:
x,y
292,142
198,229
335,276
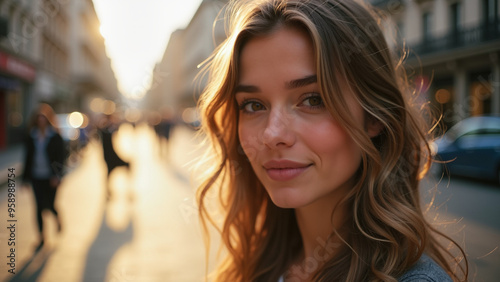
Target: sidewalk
x,y
11,158
147,231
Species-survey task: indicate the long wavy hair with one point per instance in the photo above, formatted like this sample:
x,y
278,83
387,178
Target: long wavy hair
x,y
387,229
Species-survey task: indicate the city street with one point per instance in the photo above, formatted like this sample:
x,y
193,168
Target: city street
x,y
149,228
468,210
148,231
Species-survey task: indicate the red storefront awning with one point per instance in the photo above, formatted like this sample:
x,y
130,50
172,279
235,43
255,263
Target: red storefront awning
x,y
16,67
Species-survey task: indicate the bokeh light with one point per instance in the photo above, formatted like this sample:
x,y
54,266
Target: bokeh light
x,y
73,134
86,121
443,96
190,115
96,105
109,107
154,118
132,115
75,119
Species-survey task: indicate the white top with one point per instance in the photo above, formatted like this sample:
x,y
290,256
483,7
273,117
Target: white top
x,y
41,162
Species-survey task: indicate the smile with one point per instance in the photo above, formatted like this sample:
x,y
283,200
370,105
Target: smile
x,y
284,170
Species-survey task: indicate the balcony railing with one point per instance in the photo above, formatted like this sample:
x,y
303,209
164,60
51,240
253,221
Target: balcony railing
x,y
466,37
387,4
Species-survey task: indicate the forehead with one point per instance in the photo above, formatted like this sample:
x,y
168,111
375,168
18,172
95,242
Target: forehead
x,y
286,53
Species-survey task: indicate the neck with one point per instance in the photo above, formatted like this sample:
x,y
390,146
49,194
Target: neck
x,y
317,225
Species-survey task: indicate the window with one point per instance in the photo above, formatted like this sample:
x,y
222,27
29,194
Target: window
x,y
455,16
455,23
490,19
427,25
483,132
490,11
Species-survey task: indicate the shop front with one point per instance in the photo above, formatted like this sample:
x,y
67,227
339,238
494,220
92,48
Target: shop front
x,y
16,83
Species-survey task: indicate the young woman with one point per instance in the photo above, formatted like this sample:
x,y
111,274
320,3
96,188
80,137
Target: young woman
x,y
44,162
319,153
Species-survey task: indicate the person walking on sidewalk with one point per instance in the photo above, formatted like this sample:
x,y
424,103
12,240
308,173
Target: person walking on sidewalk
x,y
108,125
44,162
319,151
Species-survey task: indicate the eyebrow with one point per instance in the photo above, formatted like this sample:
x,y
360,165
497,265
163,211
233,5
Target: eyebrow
x,y
246,89
296,83
301,82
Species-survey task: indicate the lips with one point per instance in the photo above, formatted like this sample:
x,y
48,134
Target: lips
x,y
284,170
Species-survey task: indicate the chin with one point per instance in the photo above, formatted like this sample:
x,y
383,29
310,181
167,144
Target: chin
x,y
288,199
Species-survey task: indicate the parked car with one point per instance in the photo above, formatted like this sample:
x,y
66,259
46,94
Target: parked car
x,y
471,148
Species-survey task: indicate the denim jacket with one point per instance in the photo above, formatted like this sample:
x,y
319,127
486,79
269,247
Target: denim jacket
x,y
425,270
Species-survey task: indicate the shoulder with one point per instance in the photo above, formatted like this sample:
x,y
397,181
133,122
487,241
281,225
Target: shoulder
x,y
425,270
55,136
56,142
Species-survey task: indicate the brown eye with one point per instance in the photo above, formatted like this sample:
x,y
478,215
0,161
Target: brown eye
x,y
251,106
256,106
313,101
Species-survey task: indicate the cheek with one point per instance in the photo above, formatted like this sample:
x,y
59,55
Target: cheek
x,y
329,139
249,140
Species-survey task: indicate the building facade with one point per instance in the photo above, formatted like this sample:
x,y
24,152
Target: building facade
x,y
453,58
176,84
18,64
454,50
50,51
90,68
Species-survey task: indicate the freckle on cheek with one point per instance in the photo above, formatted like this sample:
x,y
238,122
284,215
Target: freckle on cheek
x,y
251,153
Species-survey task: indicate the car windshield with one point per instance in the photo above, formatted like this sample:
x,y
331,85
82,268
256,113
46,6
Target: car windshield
x,y
473,124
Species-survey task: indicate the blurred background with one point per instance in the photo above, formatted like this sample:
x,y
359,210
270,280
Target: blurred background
x,y
126,70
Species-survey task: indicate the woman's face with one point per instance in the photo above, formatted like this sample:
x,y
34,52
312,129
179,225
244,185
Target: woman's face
x,y
41,121
297,150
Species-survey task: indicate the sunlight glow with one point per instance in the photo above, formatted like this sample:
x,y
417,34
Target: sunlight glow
x,y
103,32
136,34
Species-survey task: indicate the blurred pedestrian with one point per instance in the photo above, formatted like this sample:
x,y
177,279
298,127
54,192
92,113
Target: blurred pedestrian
x,y
164,128
44,163
320,152
107,127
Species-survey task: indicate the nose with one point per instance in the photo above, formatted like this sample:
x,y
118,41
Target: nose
x,y
279,131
